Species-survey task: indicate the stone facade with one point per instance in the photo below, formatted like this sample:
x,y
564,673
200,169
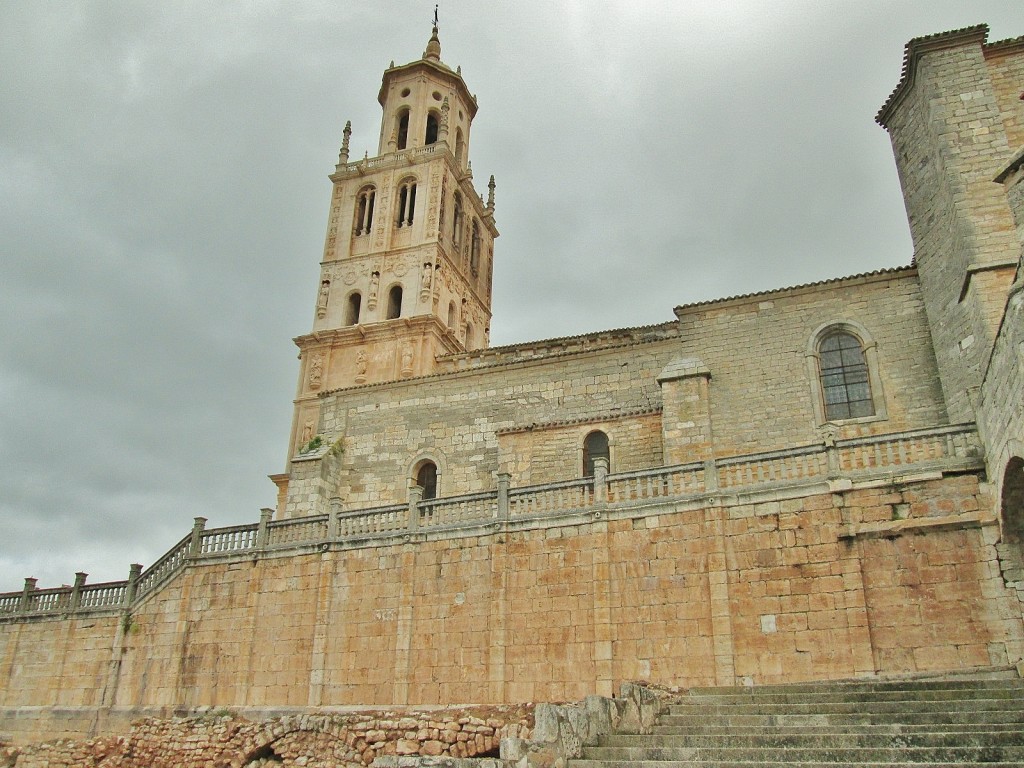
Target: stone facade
x,y
816,482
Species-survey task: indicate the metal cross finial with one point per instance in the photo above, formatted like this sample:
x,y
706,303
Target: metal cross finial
x,y
435,14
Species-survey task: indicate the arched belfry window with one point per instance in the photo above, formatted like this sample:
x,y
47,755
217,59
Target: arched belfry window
x,y
451,314
402,130
460,146
406,203
474,249
394,302
845,385
431,135
364,210
426,479
352,308
457,223
595,446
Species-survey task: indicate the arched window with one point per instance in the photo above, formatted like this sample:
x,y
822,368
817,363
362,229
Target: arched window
x,y
394,302
460,145
403,129
469,336
431,135
451,314
364,210
474,249
845,384
426,478
457,223
406,203
595,446
352,308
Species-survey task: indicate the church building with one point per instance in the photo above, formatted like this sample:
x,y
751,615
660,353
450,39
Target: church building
x,y
818,482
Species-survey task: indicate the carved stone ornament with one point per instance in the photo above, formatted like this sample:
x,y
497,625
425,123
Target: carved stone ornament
x,y
361,363
350,277
316,371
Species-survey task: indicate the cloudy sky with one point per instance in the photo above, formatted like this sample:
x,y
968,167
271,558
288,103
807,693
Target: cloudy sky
x,y
163,200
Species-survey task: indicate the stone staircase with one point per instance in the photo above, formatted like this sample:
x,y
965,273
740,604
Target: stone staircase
x,y
952,722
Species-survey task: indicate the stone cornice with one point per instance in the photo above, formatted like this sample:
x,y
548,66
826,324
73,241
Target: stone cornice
x,y
913,52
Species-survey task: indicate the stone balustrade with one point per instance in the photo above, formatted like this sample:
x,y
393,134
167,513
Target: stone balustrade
x,y
945,448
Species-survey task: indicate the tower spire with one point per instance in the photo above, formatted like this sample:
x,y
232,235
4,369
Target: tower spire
x,y
433,51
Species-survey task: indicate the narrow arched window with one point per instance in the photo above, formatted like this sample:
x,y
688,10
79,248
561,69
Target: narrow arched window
x,y
364,210
394,302
457,223
460,145
403,129
352,308
426,478
474,249
595,446
451,314
431,135
469,336
406,203
845,384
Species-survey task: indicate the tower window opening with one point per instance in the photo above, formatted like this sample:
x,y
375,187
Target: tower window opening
x,y
595,446
355,300
403,129
844,377
474,249
469,336
431,134
457,223
451,314
406,204
394,302
460,146
364,210
426,478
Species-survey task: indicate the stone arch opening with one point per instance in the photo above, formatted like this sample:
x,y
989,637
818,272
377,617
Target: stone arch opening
x,y
1011,517
275,745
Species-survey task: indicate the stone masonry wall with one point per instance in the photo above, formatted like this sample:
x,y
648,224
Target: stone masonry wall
x,y
772,588
761,398
352,740
949,141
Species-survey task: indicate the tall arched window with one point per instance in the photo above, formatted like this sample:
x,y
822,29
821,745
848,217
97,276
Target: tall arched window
x,y
457,223
394,302
403,129
406,203
431,135
469,336
474,249
352,308
451,314
595,446
426,478
845,384
364,210
460,145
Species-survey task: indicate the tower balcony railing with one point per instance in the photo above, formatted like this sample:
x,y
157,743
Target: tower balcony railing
x,y
895,456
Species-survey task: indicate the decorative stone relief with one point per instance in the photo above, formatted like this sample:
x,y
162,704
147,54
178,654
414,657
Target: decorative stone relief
x,y
361,363
407,357
322,298
350,278
371,299
316,371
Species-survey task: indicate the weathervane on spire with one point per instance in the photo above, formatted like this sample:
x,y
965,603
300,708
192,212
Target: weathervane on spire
x,y
435,15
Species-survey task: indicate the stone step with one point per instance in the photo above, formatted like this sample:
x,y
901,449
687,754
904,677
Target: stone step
x,y
716,755
820,739
580,763
1001,693
762,720
864,685
711,708
884,729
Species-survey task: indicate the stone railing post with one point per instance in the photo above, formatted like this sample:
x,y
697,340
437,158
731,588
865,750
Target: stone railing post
x,y
76,591
332,518
262,533
196,544
600,480
134,571
710,476
832,456
26,595
504,481
415,496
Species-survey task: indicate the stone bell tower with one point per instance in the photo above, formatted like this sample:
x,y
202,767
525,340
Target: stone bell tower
x,y
407,262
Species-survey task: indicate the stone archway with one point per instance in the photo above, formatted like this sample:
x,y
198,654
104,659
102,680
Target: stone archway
x,y
1011,518
316,738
